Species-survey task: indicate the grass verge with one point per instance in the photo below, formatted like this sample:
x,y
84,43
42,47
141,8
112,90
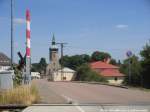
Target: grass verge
x,y
23,95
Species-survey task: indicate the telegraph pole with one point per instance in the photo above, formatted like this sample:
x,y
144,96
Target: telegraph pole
x,y
62,50
12,40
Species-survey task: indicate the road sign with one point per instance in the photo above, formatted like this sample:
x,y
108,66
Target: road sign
x,y
129,53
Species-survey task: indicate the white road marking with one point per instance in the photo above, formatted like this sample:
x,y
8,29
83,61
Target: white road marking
x,y
69,100
79,108
73,102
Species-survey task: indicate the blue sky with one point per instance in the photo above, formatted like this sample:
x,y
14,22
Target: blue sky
x,y
113,26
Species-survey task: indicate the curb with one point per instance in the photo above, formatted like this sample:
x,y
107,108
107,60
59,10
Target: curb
x,y
120,86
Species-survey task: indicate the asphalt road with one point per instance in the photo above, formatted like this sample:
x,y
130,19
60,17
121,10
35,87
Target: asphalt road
x,y
83,93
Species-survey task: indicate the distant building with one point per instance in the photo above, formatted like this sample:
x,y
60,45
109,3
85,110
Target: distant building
x,y
67,74
53,70
6,75
35,75
4,62
54,65
109,71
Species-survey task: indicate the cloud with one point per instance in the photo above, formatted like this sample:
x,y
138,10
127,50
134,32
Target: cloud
x,y
19,21
121,26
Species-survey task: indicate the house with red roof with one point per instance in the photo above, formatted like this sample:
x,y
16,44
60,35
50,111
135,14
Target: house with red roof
x,y
109,71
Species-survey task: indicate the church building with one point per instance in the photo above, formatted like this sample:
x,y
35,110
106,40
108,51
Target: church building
x,y
54,70
54,65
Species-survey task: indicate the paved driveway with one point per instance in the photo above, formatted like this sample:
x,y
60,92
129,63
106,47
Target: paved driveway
x,y
83,93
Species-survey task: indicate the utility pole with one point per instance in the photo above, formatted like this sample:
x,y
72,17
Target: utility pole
x,y
12,40
62,49
129,70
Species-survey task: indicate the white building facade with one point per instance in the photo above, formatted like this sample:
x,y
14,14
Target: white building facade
x,y
4,62
66,74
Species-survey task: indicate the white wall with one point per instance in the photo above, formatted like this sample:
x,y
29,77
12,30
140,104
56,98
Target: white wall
x,y
3,68
67,75
6,80
112,80
35,75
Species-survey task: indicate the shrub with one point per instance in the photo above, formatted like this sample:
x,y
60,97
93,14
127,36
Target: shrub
x,y
18,77
85,73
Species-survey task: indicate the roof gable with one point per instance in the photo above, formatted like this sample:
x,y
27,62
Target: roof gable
x,y
100,64
66,69
4,60
111,73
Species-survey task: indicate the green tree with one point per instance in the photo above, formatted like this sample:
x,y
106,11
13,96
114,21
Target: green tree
x,y
99,56
34,67
66,61
75,61
42,65
85,73
39,67
135,69
86,58
145,62
113,62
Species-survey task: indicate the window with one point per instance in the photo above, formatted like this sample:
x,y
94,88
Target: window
x,y
116,78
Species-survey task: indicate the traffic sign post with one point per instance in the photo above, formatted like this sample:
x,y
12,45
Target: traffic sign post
x,y
129,54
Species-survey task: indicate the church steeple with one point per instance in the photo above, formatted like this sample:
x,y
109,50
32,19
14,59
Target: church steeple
x,y
54,59
53,40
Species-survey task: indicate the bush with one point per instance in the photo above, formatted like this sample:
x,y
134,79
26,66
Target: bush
x,y
135,70
85,73
18,77
145,62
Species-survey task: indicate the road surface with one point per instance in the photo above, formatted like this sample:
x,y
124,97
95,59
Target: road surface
x,y
83,93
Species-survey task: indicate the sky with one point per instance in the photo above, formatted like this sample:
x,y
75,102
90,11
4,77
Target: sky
x,y
113,26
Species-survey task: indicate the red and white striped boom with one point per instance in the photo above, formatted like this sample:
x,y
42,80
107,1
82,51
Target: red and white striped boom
x,y
27,78
28,54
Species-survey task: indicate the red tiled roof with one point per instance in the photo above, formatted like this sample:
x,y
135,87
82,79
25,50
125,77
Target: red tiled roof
x,y
111,73
100,64
105,69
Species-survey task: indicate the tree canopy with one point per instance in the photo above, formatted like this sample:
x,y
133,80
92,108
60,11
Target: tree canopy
x,y
75,61
85,73
145,63
135,69
39,67
99,56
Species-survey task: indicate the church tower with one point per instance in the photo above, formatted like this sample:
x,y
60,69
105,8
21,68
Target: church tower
x,y
54,65
54,58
